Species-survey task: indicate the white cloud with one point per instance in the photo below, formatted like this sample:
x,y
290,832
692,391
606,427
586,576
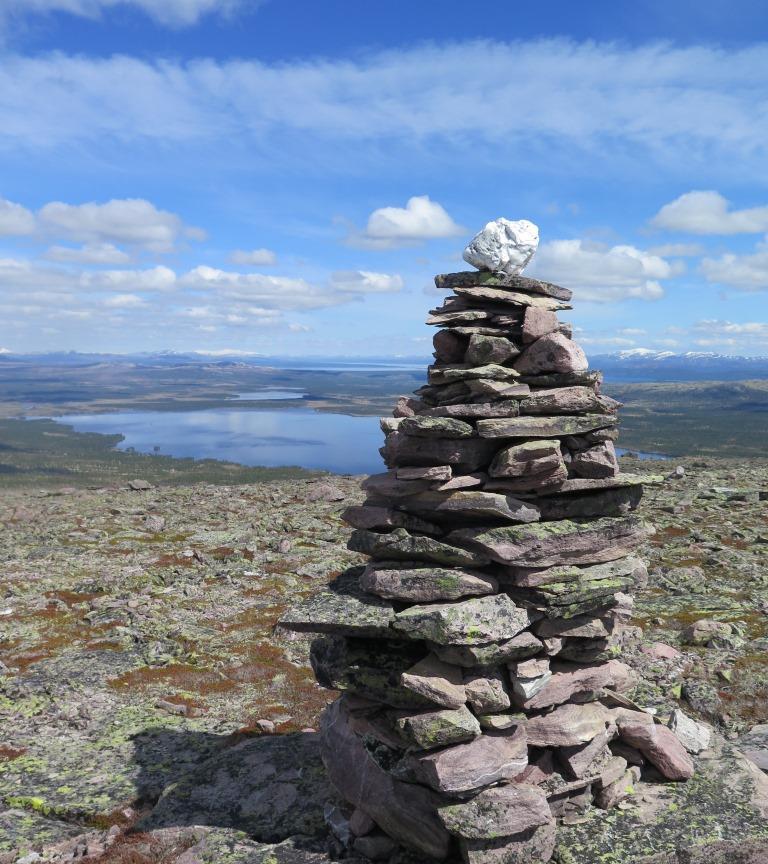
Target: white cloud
x,y
708,213
52,284
742,272
15,219
601,274
132,221
271,292
365,282
728,335
420,219
676,250
675,105
125,301
254,258
94,253
174,13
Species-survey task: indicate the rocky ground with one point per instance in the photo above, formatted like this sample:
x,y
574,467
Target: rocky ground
x,y
150,714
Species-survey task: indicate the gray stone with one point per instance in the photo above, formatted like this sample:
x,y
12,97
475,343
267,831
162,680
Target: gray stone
x,y
405,811
518,459
473,504
754,744
343,608
470,622
462,481
429,729
486,690
550,544
508,407
369,516
694,736
597,462
553,353
436,427
487,388
567,400
542,427
462,454
513,298
492,757
490,349
533,846
525,687
497,812
525,644
447,281
433,472
421,584
436,681
400,545
488,372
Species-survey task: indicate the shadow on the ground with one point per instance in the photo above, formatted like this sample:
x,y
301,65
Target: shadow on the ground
x,y
270,786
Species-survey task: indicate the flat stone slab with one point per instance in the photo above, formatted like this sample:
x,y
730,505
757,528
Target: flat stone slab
x,y
497,812
469,278
514,298
549,544
343,608
399,545
424,584
475,504
754,745
470,622
543,427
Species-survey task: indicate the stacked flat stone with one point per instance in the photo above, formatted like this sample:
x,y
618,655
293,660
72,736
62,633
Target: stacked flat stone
x,y
477,652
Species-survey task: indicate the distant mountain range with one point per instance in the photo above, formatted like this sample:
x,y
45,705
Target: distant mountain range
x,y
642,364
637,364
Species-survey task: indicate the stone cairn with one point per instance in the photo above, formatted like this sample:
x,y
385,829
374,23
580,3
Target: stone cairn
x,y
477,651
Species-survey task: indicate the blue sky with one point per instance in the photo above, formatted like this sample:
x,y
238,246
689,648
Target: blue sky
x,y
285,177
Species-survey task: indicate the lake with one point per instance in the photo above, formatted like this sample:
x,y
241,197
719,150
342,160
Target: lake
x,y
303,437
339,443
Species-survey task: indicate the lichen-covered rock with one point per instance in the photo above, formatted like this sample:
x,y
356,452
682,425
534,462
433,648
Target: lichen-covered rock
x,y
542,427
400,545
490,349
343,609
429,729
497,812
421,584
469,622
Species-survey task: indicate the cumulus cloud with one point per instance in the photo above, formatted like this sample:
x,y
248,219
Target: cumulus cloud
x,y
253,258
15,219
27,278
602,274
93,253
708,212
742,272
365,282
421,219
174,13
132,221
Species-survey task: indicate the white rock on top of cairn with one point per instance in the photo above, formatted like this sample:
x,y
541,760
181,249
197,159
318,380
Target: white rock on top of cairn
x,y
503,246
477,652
